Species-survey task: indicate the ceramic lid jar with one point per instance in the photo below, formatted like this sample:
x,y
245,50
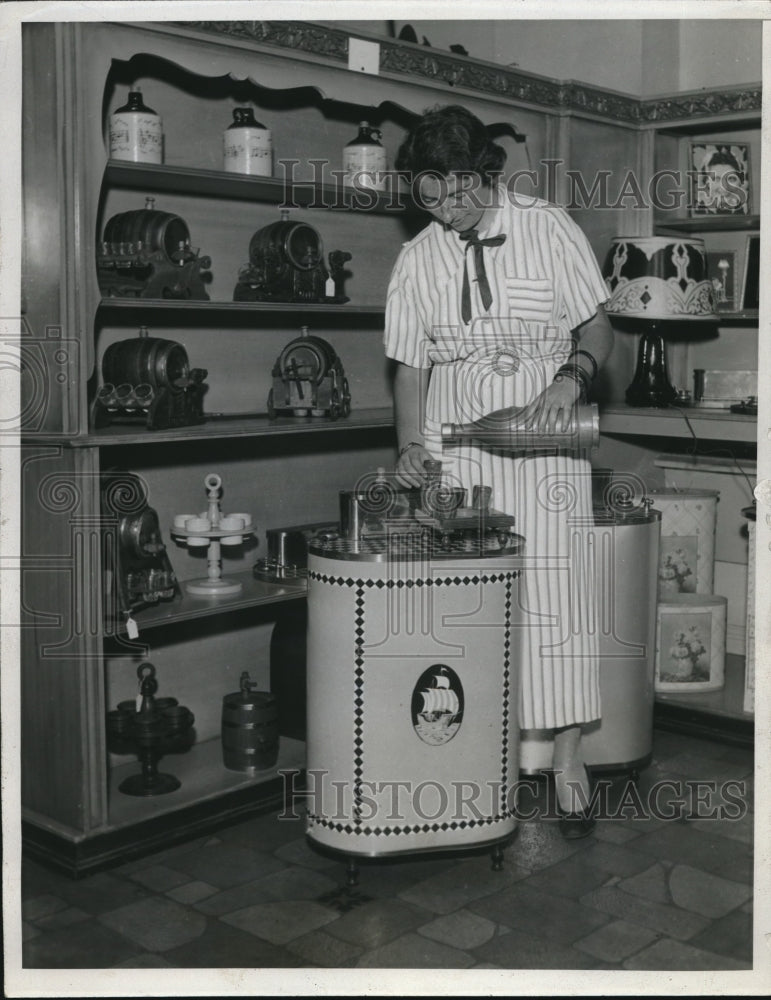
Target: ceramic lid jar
x,y
136,132
247,145
364,159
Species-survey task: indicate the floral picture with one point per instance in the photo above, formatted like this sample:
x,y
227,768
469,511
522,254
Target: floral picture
x,y
677,565
721,178
684,648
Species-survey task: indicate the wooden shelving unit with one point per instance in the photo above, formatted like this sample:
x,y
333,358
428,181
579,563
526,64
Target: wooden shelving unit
x,y
284,191
230,426
196,769
720,714
210,796
709,424
708,224
186,607
231,309
282,470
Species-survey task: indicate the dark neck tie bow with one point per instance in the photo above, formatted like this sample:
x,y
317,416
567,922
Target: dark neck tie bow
x,y
471,239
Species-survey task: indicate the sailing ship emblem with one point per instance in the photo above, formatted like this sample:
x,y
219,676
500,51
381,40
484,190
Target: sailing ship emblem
x,y
437,705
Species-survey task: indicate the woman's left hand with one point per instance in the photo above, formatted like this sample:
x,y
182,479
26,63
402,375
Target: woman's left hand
x,y
552,411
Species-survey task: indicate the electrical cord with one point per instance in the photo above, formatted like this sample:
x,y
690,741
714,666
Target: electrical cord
x,y
714,453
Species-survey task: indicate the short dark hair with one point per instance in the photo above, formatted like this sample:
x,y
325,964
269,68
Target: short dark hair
x,y
449,140
724,158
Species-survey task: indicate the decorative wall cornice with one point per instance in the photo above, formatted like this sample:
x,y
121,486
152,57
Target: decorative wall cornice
x,y
456,71
410,60
708,102
594,100
301,35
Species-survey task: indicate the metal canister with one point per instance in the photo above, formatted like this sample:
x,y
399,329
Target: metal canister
x,y
412,681
250,737
509,430
364,159
247,145
144,359
625,543
136,132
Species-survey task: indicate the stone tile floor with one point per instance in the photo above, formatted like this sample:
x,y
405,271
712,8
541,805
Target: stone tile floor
x,y
641,893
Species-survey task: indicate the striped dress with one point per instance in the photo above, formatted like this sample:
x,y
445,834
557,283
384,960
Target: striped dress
x,y
545,282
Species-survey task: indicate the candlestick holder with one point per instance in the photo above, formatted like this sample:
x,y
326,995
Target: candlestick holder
x,y
212,529
150,727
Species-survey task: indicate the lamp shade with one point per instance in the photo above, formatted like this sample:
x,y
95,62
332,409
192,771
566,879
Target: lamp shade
x,y
659,278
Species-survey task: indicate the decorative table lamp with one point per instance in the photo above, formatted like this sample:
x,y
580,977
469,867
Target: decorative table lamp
x,y
657,279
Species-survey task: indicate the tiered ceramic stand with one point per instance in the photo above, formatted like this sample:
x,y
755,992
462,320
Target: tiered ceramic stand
x,y
212,528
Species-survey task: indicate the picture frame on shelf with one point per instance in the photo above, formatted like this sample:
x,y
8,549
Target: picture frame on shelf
x,y
720,178
690,643
751,283
722,273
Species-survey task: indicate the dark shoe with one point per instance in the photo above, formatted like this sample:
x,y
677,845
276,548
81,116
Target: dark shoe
x,y
574,826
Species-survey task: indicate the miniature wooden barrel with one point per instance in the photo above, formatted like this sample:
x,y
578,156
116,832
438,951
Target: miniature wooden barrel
x,y
250,737
296,243
152,229
307,358
151,360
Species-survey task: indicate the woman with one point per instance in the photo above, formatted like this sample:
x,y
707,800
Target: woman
x,y
484,309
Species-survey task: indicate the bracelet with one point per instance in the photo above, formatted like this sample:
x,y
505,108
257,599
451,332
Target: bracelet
x,y
592,361
410,444
561,376
575,372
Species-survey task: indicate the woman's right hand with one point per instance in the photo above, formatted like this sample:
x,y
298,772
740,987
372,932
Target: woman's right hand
x,y
409,466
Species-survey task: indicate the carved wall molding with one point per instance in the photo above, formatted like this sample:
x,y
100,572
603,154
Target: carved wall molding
x,y
708,102
422,62
299,35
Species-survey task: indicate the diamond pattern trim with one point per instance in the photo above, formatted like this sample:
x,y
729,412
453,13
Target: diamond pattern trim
x,y
358,703
456,581
506,696
362,585
388,831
